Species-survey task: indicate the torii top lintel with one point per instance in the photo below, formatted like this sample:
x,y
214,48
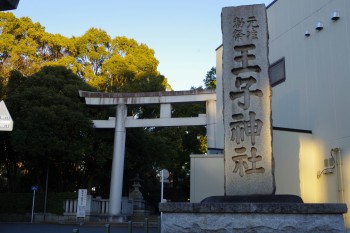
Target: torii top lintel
x,y
102,98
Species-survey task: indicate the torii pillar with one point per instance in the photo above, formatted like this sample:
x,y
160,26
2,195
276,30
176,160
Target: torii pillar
x,y
116,188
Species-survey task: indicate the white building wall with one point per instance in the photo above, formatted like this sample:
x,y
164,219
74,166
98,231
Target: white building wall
x,y
219,100
315,95
207,177
295,172
286,154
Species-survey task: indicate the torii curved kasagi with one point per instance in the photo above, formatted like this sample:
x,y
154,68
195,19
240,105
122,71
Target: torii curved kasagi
x,y
121,122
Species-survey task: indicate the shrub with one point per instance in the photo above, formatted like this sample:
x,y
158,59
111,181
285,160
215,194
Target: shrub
x,y
21,203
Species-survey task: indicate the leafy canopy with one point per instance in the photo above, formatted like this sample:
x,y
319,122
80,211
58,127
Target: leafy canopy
x,y
210,79
108,64
48,111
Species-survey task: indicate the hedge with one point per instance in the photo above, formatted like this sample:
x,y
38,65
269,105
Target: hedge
x,y
21,203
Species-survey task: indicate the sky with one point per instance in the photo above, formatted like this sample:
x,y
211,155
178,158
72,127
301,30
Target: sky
x,y
183,33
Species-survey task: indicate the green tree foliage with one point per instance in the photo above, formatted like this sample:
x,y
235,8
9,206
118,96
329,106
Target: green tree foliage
x,y
2,88
210,79
10,171
41,75
108,64
148,151
52,124
129,61
25,46
21,203
92,51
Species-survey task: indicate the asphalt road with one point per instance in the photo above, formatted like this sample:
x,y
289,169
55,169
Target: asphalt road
x,y
55,228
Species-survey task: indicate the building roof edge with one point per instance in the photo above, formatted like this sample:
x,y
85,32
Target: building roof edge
x,y
271,4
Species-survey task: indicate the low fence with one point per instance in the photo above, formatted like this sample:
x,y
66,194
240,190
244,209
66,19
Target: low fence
x,y
100,206
96,206
70,206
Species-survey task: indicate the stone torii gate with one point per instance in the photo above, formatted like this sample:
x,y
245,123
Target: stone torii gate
x,y
122,121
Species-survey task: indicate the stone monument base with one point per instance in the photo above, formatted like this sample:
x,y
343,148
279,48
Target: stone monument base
x,y
254,199
252,217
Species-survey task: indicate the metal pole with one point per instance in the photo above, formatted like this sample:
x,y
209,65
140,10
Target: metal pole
x,y
146,225
33,206
161,194
46,187
159,224
130,227
108,228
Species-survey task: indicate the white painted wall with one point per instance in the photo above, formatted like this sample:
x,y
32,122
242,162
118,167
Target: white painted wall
x,y
219,100
207,176
286,154
295,157
316,93
316,66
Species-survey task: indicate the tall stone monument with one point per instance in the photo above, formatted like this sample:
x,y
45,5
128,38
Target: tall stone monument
x,y
249,168
249,204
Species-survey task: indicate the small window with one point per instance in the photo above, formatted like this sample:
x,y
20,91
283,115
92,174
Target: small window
x,y
277,72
